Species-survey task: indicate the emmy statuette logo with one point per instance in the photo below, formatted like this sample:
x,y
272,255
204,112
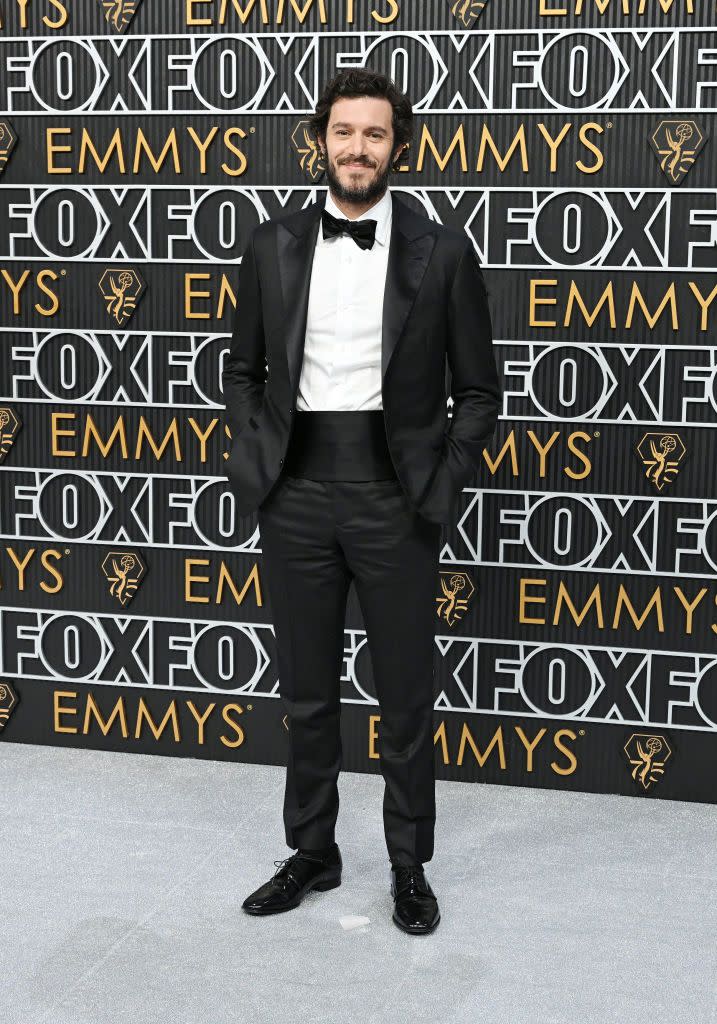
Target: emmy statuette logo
x,y
119,13
661,454
121,289
124,571
647,753
8,138
303,141
9,426
467,11
8,702
676,144
457,590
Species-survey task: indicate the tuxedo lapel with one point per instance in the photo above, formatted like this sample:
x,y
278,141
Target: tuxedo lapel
x,y
410,246
296,241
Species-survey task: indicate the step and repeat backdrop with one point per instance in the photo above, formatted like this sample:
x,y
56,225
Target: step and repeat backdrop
x,y
576,598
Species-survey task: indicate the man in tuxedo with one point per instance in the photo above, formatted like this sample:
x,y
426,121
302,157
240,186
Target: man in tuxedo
x,y
353,314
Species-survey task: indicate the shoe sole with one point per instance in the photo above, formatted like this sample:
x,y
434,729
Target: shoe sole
x,y
331,883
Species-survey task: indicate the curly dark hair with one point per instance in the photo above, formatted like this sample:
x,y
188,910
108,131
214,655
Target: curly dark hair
x,y
353,82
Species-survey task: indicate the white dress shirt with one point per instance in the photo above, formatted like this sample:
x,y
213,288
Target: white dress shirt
x,y
341,368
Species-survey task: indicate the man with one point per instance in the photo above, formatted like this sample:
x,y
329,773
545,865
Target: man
x,y
353,306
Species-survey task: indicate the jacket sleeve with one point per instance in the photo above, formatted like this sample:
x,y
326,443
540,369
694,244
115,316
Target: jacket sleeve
x,y
475,387
244,372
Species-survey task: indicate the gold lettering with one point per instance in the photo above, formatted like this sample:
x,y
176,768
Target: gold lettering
x,y
623,599
190,18
203,435
117,711
43,310
536,300
202,145
553,144
385,19
704,303
572,438
201,719
234,172
59,710
143,712
529,747
88,146
301,12
590,126
235,725
20,565
251,580
171,432
60,7
572,759
543,449
373,721
427,140
51,147
142,145
518,142
689,606
525,598
44,559
56,432
510,447
189,294
466,737
91,431
442,737
593,598
574,296
636,297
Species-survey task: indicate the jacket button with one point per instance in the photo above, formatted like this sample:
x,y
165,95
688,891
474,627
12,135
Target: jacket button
x,y
281,462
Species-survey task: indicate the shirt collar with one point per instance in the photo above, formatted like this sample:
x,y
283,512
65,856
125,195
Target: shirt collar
x,y
380,212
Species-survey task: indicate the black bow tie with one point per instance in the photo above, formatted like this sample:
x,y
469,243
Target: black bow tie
x,y
363,232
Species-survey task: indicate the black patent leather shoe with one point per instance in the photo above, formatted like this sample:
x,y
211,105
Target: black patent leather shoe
x,y
415,905
294,877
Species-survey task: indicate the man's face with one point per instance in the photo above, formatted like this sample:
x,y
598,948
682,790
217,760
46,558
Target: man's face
x,y
359,148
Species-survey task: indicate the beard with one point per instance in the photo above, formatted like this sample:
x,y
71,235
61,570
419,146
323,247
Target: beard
x,y
358,193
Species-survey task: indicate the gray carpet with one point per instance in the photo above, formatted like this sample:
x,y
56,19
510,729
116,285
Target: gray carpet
x,y
124,877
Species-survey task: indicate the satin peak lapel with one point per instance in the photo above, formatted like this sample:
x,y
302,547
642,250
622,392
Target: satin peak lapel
x,y
410,246
295,254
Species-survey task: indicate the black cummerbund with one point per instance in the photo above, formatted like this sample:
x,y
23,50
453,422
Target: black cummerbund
x,y
337,445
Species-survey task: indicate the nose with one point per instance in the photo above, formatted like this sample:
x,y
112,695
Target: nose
x,y
359,150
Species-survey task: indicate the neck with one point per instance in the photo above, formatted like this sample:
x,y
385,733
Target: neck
x,y
353,210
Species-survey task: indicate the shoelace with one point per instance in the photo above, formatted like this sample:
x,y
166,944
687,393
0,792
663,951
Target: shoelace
x,y
279,864
412,880
288,876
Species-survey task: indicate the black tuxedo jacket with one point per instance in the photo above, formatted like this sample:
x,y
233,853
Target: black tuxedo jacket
x,y
435,306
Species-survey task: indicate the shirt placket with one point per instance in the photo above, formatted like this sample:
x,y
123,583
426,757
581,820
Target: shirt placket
x,y
344,320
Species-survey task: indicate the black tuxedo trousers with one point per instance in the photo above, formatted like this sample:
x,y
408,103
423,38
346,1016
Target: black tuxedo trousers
x,y
317,536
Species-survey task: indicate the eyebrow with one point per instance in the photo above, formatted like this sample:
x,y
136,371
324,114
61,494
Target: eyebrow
x,y
371,128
